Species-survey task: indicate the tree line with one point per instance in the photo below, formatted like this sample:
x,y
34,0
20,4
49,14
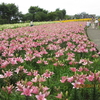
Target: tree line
x,y
9,13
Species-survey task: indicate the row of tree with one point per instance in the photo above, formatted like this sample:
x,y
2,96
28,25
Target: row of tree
x,y
9,13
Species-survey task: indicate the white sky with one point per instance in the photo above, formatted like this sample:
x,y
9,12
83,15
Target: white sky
x,y
72,7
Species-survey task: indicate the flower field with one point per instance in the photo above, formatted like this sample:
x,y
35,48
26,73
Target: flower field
x,y
17,25
53,61
75,20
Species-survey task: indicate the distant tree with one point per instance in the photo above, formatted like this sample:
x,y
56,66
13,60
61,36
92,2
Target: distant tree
x,y
27,17
12,11
64,12
57,9
3,13
9,12
19,15
67,17
60,14
35,9
83,15
51,16
77,16
40,16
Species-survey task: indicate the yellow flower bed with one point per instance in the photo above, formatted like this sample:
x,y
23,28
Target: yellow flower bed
x,y
85,19
74,20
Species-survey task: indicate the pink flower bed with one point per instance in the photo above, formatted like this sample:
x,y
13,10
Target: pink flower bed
x,y
31,56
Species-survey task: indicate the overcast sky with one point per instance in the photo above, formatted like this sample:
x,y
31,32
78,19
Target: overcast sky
x,y
72,7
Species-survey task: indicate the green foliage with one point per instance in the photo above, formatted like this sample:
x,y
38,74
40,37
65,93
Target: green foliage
x,y
8,12
27,16
3,21
60,14
40,16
